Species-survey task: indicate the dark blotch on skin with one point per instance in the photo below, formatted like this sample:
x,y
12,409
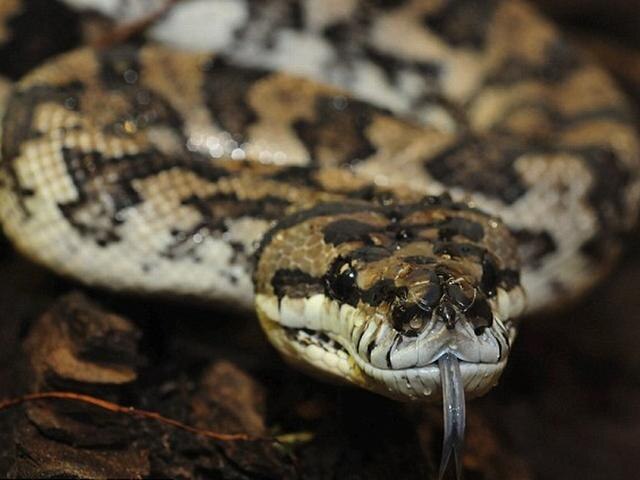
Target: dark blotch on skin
x,y
120,192
370,348
388,4
560,61
320,210
462,23
397,212
432,296
433,293
370,253
20,108
509,278
225,91
534,246
459,250
114,63
295,283
217,208
297,175
460,226
392,66
381,291
420,260
392,212
322,338
607,194
373,194
481,164
31,30
337,33
340,129
480,316
598,248
17,128
347,230
461,295
341,284
490,276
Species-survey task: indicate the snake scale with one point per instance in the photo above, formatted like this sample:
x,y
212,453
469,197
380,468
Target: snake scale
x,y
391,184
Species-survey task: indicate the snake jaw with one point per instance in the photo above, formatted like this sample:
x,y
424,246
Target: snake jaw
x,y
454,413
317,334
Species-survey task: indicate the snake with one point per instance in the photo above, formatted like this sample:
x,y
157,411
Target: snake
x,y
391,186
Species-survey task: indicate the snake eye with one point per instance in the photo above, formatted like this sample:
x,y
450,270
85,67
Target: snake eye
x,y
341,282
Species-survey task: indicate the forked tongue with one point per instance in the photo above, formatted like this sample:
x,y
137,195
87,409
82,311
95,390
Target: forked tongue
x,y
453,405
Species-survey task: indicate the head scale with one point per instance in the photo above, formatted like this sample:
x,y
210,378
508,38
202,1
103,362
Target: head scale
x,y
377,295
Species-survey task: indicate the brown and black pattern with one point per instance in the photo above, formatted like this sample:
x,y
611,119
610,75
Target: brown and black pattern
x,y
98,211
34,31
335,130
559,61
273,16
483,165
105,185
339,127
462,23
18,131
225,94
410,261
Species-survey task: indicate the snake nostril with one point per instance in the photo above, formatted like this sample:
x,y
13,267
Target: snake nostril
x,y
409,320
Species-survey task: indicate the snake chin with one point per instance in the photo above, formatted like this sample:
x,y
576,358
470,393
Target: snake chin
x,y
322,337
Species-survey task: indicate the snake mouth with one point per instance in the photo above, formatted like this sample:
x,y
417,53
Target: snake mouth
x,y
448,378
425,383
414,383
329,348
415,373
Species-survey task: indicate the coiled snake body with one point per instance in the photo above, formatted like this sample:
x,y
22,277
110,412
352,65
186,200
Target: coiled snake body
x,y
452,156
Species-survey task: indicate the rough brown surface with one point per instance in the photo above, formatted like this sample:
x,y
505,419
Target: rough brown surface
x,y
76,346
79,347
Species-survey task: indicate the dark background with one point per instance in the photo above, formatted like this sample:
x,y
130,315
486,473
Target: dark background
x,y
567,407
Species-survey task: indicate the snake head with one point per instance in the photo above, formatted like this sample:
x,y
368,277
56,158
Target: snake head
x,y
376,295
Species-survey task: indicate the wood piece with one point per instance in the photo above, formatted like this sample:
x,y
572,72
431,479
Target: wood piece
x,y
80,347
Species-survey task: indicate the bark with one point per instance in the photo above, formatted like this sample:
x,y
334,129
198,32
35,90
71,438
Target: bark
x,y
324,432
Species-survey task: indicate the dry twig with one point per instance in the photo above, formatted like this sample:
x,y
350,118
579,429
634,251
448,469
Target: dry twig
x,y
131,411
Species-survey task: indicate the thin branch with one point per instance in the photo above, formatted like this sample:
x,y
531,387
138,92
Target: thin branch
x,y
131,411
